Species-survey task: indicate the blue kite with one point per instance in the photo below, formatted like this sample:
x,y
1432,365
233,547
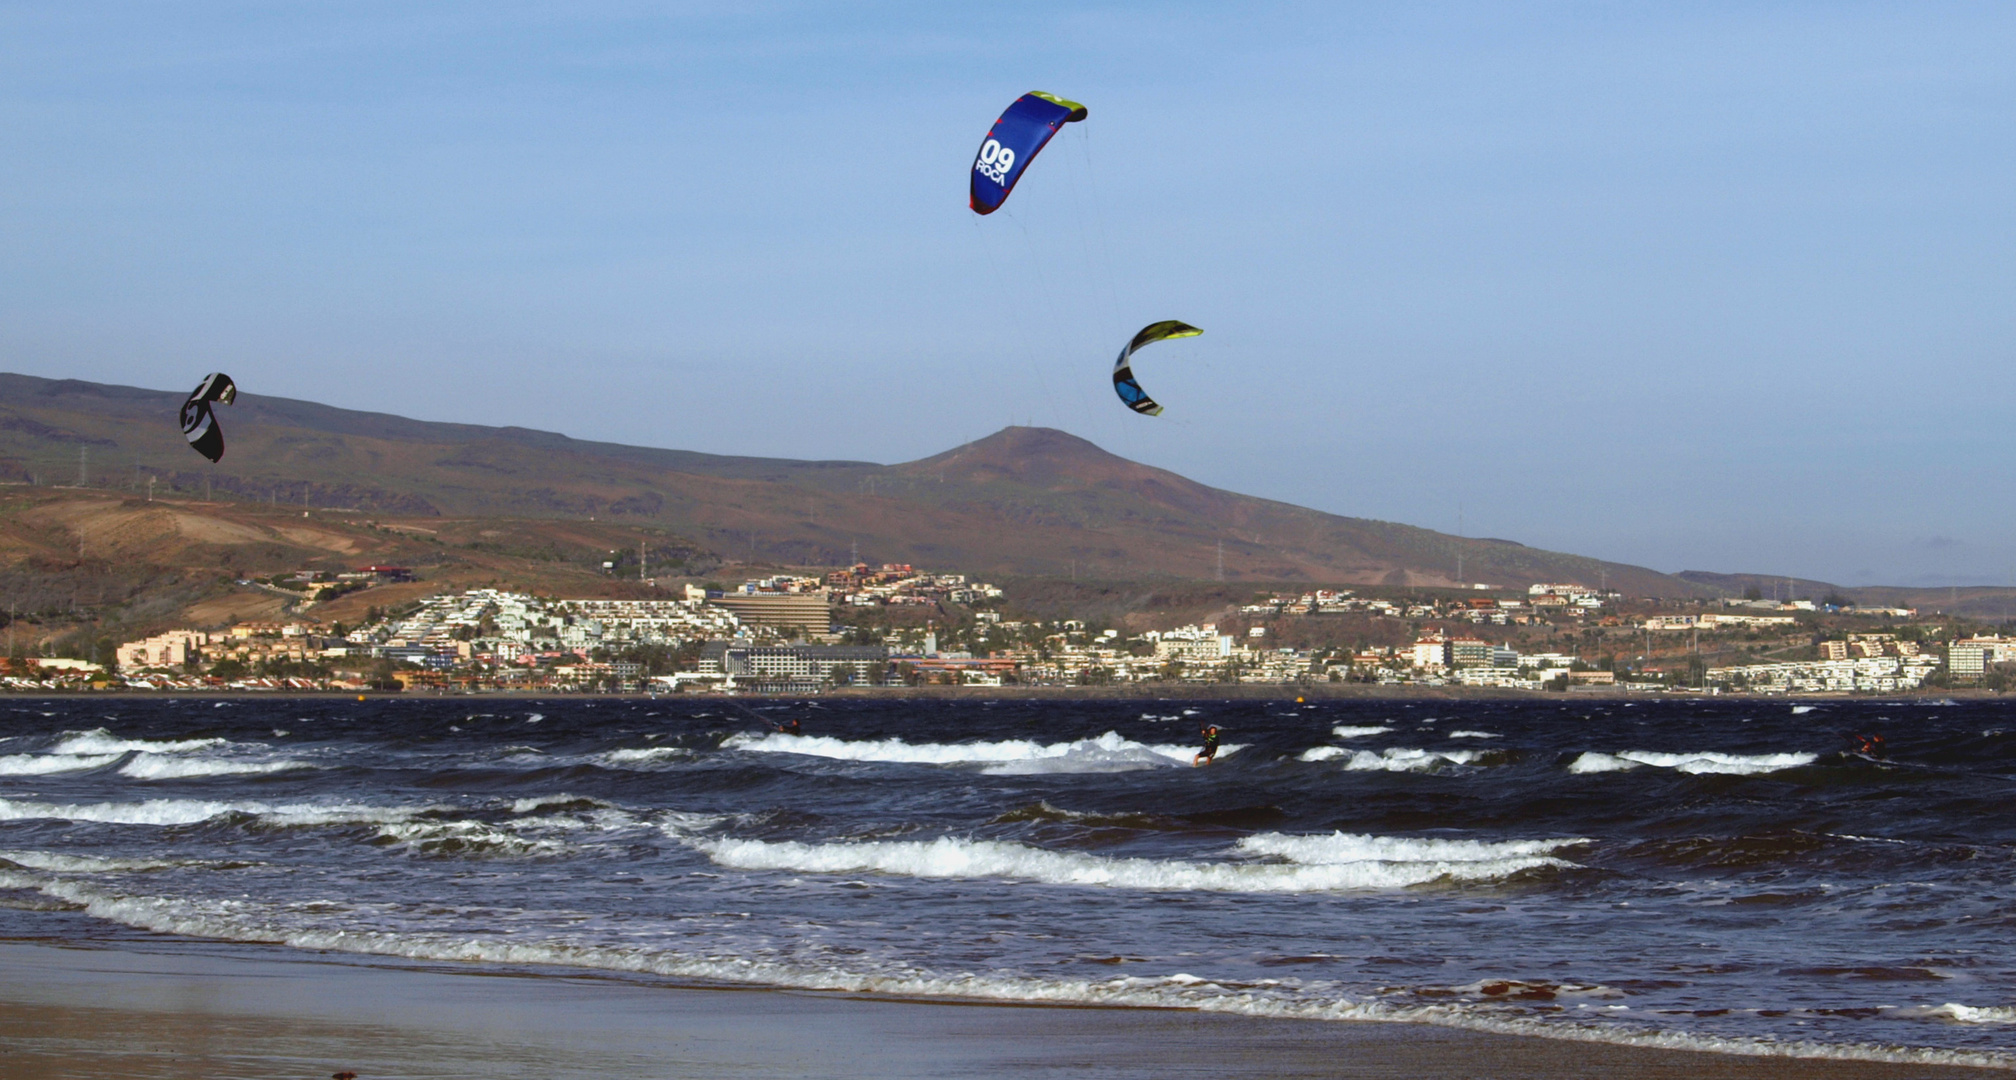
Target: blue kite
x,y
1124,382
1013,142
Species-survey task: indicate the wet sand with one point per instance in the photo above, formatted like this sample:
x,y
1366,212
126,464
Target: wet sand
x,y
75,1012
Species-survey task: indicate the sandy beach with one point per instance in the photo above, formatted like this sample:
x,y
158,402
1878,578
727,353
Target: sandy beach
x,y
67,1011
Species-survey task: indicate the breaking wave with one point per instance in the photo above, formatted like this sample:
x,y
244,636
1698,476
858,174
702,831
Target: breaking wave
x,y
1179,990
1393,759
464,838
1702,762
651,755
44,764
101,741
156,767
1977,1014
192,811
1343,847
1110,752
1348,731
1336,866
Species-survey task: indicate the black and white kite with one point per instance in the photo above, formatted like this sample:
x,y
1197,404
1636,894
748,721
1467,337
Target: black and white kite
x,y
199,424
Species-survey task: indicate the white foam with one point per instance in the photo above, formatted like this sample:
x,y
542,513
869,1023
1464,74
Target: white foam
x,y
1701,762
1343,847
157,767
624,758
1348,731
1108,753
954,857
235,920
81,864
545,802
100,741
1978,1014
191,811
1474,735
465,838
1798,710
1393,758
43,764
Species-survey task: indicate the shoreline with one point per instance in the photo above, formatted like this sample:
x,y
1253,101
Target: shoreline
x,y
1200,692
91,1009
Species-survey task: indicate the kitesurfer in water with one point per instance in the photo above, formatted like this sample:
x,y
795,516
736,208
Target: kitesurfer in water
x,y
789,727
1210,752
1871,745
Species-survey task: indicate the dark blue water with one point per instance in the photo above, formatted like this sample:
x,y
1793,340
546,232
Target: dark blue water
x,y
1721,874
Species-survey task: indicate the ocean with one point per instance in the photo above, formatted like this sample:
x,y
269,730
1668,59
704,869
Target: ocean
x,y
1710,874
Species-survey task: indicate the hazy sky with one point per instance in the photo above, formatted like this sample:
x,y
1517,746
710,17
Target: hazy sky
x,y
1697,286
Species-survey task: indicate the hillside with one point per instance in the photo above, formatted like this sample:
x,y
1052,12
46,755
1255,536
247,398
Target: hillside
x,y
1025,501
1992,603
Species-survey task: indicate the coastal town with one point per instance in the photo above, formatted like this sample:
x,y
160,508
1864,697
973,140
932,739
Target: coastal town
x,y
895,625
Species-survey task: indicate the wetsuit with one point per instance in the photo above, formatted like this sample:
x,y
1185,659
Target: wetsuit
x,y
1210,751
789,727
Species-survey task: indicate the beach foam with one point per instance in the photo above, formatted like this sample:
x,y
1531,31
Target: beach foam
x,y
251,922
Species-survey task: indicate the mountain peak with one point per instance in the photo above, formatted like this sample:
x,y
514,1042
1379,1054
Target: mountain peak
x,y
1031,455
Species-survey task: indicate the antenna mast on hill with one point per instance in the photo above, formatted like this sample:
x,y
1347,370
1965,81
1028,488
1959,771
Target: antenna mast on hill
x,y
642,548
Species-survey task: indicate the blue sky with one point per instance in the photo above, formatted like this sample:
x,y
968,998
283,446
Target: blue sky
x,y
1721,287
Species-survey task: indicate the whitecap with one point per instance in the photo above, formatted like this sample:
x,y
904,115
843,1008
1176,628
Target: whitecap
x,y
626,758
1393,759
156,767
953,857
1706,761
1978,1014
1343,847
82,864
43,764
1108,753
191,811
1349,731
543,802
1474,735
100,741
465,838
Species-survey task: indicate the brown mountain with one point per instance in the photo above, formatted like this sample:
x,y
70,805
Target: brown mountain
x,y
1024,501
